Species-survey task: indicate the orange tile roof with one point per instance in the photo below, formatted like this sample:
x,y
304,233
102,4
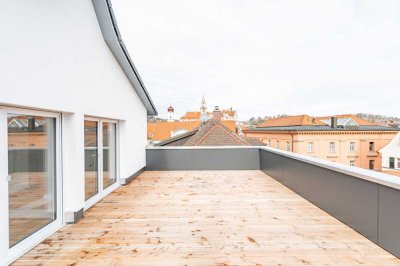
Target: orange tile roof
x,y
191,115
214,133
298,120
162,130
158,131
229,112
230,124
356,119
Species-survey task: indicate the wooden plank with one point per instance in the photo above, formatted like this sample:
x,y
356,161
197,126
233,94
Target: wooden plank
x,y
206,218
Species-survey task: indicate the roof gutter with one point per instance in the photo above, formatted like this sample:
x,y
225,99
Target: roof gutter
x,y
112,37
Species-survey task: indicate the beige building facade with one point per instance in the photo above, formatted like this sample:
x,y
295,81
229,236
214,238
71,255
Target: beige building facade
x,y
356,145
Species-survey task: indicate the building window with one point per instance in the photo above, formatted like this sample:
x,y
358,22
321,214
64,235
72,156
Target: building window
x,y
391,162
352,163
371,164
332,147
277,144
288,146
352,146
372,146
310,147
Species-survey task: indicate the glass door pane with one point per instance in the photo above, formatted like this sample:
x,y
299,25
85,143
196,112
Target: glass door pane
x,y
31,174
91,159
109,154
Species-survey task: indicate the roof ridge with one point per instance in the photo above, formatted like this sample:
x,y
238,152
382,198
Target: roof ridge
x,y
230,133
205,135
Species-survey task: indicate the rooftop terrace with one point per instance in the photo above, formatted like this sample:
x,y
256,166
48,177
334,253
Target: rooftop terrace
x,y
207,218
236,206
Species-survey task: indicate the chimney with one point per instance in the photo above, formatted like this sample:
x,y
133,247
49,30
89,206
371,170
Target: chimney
x,y
333,122
217,114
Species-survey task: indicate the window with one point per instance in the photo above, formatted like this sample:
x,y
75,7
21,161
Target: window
x,y
391,162
91,159
352,146
371,146
352,163
288,146
109,154
32,197
371,164
100,158
277,144
398,163
332,147
310,147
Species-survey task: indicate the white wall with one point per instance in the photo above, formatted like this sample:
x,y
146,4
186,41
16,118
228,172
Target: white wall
x,y
53,57
391,150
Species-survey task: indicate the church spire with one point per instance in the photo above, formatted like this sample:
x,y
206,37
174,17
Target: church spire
x,y
203,110
203,101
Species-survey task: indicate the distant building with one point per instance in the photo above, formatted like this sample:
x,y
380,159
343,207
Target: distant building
x,y
344,138
160,130
203,115
171,115
391,156
390,123
203,111
211,133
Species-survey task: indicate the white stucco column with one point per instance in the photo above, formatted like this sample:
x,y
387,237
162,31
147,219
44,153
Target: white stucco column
x,y
73,165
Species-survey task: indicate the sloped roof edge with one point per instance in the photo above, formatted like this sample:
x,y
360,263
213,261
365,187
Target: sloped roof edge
x,y
178,137
112,37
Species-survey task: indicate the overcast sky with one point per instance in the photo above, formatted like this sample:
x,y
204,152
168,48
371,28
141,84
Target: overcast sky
x,y
266,57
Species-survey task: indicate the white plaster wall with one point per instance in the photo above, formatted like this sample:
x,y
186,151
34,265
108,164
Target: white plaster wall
x,y
53,57
391,150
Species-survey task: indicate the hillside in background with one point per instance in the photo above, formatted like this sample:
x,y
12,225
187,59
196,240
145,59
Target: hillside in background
x,y
379,118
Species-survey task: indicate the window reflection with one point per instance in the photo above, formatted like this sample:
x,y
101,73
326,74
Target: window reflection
x,y
109,154
91,165
31,169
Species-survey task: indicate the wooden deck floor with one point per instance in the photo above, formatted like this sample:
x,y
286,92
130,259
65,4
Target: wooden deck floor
x,y
206,218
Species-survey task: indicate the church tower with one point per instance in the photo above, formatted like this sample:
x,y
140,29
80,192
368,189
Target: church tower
x,y
170,113
203,111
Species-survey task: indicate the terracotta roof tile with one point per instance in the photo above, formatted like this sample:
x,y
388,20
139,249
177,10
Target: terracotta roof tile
x,y
162,130
191,115
299,120
158,131
214,133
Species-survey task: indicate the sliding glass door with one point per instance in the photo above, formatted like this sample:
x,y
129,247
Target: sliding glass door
x,y
109,154
31,174
100,159
91,159
32,185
